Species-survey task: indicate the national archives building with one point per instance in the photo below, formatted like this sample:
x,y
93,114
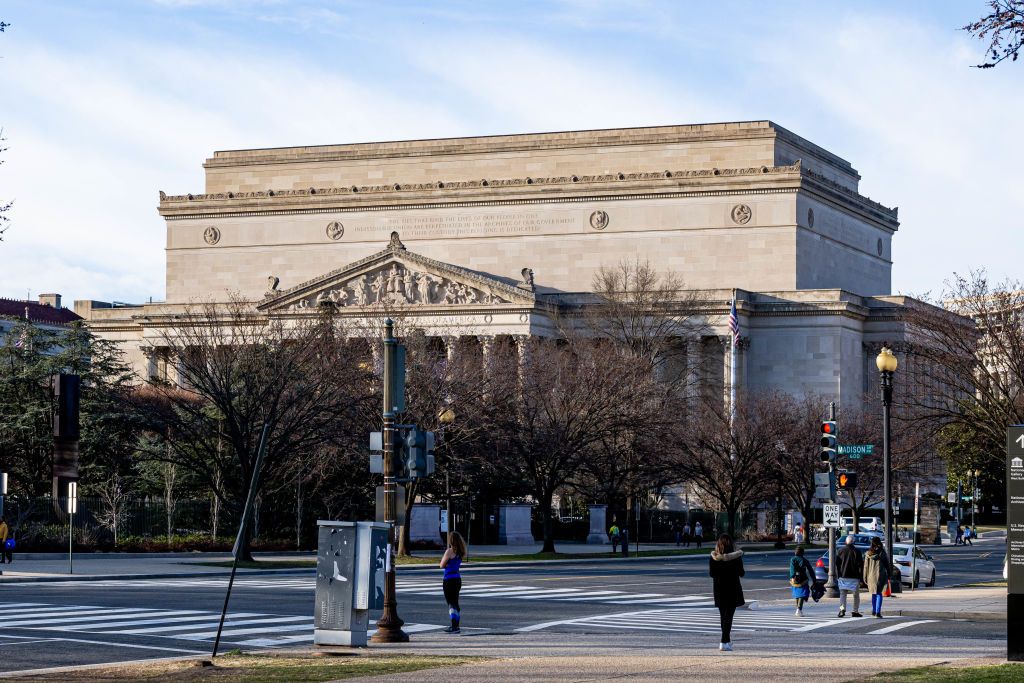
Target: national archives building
x,y
493,236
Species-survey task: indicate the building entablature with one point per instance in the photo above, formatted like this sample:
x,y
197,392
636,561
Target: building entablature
x,y
654,184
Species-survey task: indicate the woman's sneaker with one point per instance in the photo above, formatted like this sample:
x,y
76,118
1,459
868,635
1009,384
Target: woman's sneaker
x,y
727,647
453,629
799,613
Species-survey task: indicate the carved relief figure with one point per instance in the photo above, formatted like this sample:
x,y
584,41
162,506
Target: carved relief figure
x,y
409,281
394,281
359,290
425,285
378,286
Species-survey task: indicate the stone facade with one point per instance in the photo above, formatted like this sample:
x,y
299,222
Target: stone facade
x,y
493,236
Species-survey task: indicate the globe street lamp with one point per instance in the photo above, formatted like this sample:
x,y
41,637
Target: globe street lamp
x,y
886,363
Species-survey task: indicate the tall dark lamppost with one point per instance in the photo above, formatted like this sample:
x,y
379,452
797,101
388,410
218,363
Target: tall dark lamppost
x,y
779,542
886,363
447,418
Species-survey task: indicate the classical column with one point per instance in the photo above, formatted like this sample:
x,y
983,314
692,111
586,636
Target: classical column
x,y
522,342
725,341
486,350
150,354
694,350
451,346
378,359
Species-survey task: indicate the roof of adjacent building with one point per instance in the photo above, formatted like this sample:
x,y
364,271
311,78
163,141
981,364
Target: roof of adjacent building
x,y
37,312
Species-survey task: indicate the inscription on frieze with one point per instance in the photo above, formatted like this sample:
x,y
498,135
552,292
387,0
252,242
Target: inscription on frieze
x,y
469,224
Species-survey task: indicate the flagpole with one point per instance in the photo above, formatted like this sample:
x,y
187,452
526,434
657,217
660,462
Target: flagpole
x,y
733,369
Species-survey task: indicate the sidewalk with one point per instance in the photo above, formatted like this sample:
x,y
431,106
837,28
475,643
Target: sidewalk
x,y
977,604
758,656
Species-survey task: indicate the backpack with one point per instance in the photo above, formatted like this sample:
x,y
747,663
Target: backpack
x,y
800,572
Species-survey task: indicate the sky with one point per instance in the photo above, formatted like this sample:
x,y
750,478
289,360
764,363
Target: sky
x,y
104,104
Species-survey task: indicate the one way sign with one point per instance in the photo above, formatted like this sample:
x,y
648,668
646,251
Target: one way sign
x,y
832,515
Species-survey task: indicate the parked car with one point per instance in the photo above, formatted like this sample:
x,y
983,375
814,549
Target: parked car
x,y
860,541
904,555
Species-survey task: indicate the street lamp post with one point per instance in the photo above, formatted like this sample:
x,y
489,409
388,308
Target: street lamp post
x,y
446,418
389,626
974,502
779,543
886,363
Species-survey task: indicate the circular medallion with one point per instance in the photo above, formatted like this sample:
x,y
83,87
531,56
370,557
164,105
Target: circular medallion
x,y
335,230
810,218
488,318
211,235
741,214
599,220
879,246
523,317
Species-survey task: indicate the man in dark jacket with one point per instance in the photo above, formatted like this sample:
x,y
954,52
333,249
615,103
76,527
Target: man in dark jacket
x,y
849,569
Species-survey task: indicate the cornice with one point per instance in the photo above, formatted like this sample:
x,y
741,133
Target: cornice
x,y
496,144
517,191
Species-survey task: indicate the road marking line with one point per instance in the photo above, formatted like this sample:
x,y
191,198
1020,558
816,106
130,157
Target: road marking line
x,y
830,622
211,624
664,600
245,631
198,617
897,627
73,617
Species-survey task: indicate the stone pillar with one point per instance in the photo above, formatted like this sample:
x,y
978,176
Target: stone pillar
x,y
150,354
598,525
486,349
726,344
378,357
451,347
514,524
693,373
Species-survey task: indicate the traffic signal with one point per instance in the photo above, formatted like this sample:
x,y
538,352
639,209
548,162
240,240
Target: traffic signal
x,y
846,481
417,453
829,444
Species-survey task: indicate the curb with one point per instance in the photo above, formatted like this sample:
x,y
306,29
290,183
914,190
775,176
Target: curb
x,y
189,554
596,560
131,577
969,616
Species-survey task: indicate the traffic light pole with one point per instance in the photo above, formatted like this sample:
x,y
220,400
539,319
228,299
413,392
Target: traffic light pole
x,y
832,586
389,626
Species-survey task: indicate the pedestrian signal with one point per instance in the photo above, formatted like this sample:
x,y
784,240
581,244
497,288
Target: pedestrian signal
x,y
829,442
846,481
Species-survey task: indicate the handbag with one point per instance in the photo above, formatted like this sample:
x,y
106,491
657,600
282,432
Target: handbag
x,y
887,593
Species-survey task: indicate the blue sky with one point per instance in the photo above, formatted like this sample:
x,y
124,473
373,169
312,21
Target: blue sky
x,y
105,103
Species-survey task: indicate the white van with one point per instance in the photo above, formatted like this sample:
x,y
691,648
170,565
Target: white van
x,y
866,524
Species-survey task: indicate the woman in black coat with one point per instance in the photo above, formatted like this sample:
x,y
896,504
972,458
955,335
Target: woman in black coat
x,y
726,568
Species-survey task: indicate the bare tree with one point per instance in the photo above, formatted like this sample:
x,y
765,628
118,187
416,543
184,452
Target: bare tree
x,y
560,401
730,466
1003,27
113,499
237,371
966,366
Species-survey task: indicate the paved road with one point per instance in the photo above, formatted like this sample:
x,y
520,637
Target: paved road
x,y
63,623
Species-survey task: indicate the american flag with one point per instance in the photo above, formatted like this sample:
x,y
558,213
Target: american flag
x,y
734,323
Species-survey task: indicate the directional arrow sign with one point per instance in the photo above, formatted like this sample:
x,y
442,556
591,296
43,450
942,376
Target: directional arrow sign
x,y
832,515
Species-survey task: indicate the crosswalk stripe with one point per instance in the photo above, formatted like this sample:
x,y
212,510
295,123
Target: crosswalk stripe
x,y
63,621
143,622
661,601
245,631
212,622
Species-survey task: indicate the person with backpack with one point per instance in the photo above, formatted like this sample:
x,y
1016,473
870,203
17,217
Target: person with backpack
x,y
6,544
726,568
614,535
801,574
959,536
968,535
451,585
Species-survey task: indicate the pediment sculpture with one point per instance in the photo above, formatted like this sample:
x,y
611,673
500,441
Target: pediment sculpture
x,y
398,284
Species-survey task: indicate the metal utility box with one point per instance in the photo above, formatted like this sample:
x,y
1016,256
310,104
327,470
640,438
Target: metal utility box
x,y
350,571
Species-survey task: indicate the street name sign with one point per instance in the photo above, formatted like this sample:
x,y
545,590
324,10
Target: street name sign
x,y
1015,543
856,451
832,515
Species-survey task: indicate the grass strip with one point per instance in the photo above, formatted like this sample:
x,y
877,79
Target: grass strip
x,y
998,673
260,669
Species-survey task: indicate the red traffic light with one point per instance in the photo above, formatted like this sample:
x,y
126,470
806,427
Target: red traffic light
x,y
829,428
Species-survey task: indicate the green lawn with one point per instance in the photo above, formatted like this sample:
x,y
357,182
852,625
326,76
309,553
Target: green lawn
x,y
998,673
260,669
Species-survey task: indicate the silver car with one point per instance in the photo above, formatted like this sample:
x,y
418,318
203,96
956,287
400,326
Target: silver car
x,y
914,564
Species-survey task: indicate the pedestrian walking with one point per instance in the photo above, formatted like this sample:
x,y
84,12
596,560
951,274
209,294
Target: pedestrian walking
x,y
968,535
798,535
677,530
451,585
801,575
876,574
849,571
686,535
6,552
614,534
698,534
726,568
959,535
